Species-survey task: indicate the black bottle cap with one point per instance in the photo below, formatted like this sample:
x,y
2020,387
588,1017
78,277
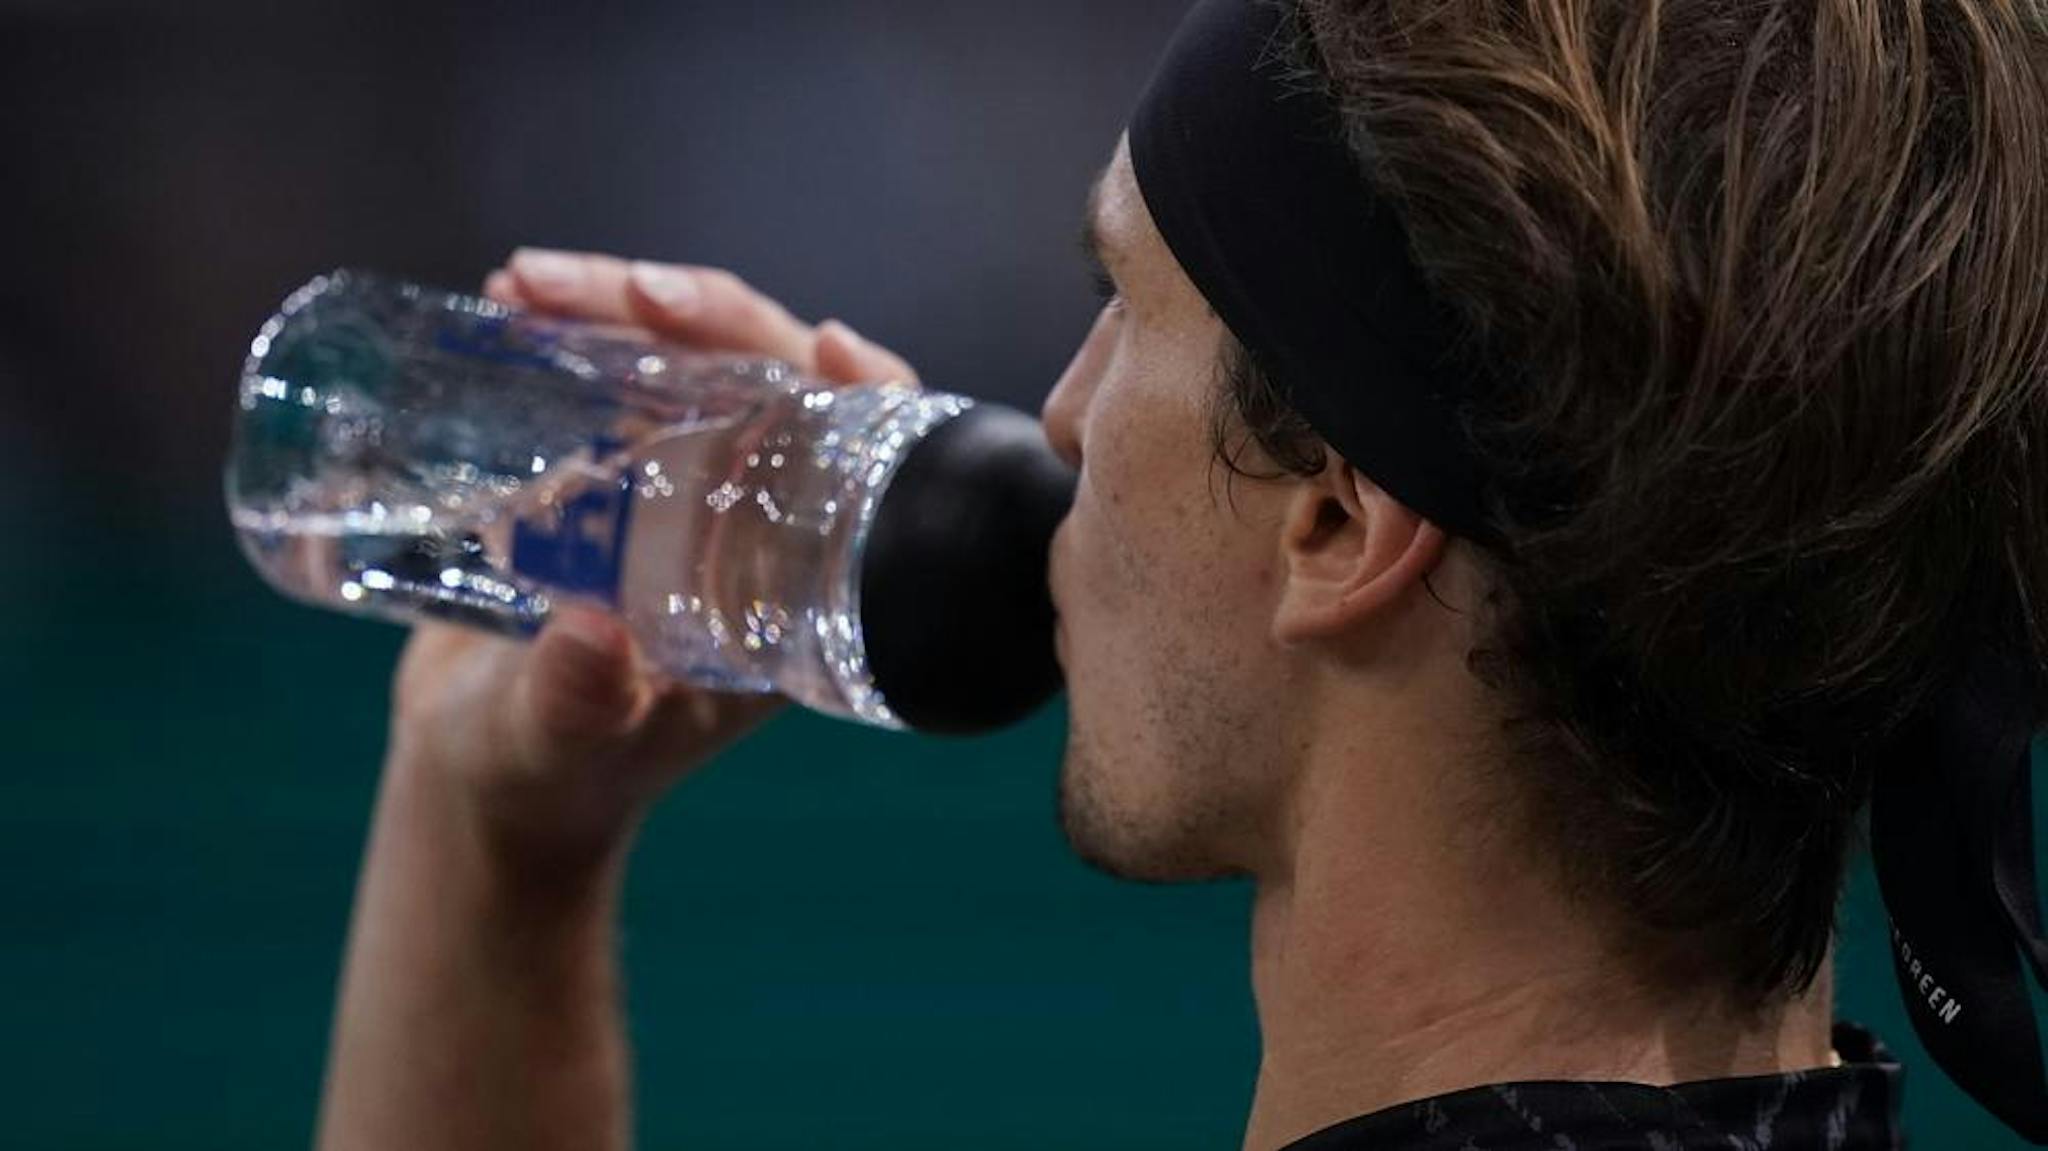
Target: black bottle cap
x,y
954,608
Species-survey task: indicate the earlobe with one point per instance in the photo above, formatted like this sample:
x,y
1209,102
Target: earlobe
x,y
1350,551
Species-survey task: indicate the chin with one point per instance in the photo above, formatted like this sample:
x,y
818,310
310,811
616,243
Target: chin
x,y
1164,834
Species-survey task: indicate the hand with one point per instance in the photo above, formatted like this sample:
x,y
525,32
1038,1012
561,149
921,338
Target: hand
x,y
555,748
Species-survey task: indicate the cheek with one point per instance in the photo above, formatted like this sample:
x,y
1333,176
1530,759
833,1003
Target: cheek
x,y
1156,533
1131,509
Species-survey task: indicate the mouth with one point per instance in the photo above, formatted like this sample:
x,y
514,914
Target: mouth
x,y
1052,574
1052,592
1059,624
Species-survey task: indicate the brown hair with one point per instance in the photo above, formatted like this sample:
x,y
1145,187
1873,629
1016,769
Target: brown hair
x,y
1765,285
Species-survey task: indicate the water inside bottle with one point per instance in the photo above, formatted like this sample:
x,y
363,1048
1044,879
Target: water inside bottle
x,y
720,515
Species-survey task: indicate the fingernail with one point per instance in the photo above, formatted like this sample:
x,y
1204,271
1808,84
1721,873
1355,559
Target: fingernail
x,y
500,285
555,273
672,289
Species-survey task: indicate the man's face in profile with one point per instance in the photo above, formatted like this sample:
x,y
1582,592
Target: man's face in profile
x,y
1166,575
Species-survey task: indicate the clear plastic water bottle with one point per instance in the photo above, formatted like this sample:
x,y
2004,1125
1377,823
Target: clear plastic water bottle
x,y
870,552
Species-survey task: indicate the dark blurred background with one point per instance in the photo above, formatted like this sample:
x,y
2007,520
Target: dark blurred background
x,y
835,937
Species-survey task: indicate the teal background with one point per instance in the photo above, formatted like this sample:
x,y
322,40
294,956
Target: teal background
x,y
834,937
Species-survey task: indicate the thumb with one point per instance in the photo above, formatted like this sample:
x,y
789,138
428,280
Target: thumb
x,y
580,688
844,356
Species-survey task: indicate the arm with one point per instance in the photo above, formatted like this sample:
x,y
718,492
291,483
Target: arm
x,y
478,1009
480,995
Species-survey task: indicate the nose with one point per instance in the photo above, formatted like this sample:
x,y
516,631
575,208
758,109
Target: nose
x,y
1062,419
1066,406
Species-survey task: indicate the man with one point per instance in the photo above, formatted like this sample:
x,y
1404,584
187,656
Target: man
x,y
1533,455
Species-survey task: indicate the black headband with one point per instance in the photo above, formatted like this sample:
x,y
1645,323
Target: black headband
x,y
1246,171
1248,179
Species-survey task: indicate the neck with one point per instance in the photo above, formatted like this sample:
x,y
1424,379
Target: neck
x,y
1395,959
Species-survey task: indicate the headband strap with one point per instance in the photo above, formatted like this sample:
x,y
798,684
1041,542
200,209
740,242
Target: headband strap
x,y
1952,837
1244,165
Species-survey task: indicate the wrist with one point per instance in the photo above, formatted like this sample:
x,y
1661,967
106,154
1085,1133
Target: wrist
x,y
510,852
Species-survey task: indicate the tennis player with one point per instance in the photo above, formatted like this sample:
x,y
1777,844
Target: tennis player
x,y
1551,469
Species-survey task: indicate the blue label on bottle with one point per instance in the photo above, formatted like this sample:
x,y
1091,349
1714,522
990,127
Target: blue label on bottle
x,y
584,550
498,340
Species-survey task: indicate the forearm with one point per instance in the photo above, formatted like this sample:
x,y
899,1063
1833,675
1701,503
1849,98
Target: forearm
x,y
479,1007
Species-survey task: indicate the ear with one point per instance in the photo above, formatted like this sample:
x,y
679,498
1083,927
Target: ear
x,y
1350,551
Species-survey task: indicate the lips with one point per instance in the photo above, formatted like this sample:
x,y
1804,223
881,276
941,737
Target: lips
x,y
1052,570
1052,587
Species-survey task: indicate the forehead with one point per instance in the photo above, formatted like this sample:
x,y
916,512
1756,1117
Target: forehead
x,y
1127,240
1114,202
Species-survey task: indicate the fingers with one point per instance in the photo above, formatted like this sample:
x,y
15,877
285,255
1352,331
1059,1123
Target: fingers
x,y
585,286
585,689
705,307
580,689
844,356
502,287
712,308
681,721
